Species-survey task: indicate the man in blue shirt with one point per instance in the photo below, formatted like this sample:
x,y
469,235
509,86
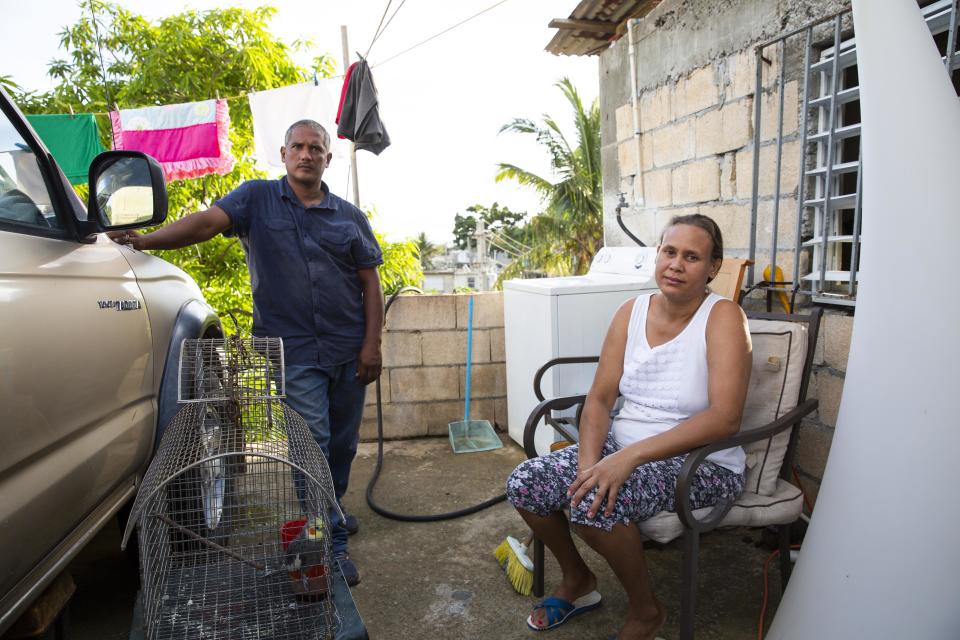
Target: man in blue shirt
x,y
313,269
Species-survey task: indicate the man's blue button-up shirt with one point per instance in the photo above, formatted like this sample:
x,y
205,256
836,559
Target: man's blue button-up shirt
x,y
303,265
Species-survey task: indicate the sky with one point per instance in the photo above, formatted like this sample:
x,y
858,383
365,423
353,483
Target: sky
x,y
442,103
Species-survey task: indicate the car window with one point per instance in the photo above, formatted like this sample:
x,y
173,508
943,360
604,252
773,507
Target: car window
x,y
24,198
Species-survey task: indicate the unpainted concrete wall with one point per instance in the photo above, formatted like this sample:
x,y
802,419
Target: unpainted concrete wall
x,y
696,68
423,384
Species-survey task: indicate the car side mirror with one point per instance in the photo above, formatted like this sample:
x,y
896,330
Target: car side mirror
x,y
127,190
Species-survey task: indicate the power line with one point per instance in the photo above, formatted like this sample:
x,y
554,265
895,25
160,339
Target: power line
x,y
437,35
376,34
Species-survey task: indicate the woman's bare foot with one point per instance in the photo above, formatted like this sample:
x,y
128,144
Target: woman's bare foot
x,y
644,625
569,589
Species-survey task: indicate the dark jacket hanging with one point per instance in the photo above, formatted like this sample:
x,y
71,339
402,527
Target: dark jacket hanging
x,y
359,117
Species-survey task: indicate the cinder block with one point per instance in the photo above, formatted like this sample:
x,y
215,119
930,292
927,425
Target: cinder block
x,y
500,413
696,181
813,447
400,421
486,381
818,353
837,330
487,310
741,74
498,352
673,144
737,124
789,170
419,384
828,390
371,397
728,176
786,224
421,313
641,222
695,92
770,112
627,158
441,414
646,151
656,188
708,131
450,347
734,223
401,348
655,110
624,117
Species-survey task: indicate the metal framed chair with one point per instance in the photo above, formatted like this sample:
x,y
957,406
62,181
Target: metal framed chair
x,y
784,347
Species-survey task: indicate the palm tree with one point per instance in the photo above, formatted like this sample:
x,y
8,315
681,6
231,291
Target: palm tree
x,y
428,250
565,236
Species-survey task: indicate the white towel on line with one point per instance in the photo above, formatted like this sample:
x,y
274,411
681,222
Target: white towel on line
x,y
274,110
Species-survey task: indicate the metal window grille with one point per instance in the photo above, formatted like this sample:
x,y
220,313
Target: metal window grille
x,y
828,205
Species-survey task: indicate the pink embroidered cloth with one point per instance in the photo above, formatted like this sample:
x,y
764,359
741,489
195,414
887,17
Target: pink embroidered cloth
x,y
189,140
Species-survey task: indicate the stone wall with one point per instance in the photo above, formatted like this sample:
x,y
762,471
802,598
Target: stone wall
x,y
696,87
424,375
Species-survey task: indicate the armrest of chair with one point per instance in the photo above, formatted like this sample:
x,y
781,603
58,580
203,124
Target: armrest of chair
x,y
698,455
549,364
543,410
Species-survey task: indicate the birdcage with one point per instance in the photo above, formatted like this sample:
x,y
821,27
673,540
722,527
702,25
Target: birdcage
x,y
232,515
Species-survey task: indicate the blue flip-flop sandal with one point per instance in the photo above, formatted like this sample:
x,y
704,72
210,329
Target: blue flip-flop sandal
x,y
560,610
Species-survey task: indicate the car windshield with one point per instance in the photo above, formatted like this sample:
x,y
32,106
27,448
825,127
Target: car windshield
x,y
24,198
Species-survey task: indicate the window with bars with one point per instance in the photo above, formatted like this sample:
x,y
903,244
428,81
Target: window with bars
x,y
829,211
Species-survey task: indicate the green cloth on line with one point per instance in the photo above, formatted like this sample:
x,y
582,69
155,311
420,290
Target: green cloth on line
x,y
73,140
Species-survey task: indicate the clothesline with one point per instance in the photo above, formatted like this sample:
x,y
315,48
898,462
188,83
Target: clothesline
x,y
376,36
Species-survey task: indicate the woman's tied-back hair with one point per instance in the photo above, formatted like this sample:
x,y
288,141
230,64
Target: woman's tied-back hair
x,y
702,222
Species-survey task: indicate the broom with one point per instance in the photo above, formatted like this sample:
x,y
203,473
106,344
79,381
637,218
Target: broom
x,y
516,563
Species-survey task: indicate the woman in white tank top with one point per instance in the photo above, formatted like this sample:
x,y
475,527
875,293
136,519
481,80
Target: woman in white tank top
x,y
681,359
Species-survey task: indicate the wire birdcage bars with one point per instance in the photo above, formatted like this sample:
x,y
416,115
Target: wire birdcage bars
x,y
232,514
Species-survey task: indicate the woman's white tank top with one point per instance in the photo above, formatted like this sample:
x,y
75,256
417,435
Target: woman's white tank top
x,y
667,384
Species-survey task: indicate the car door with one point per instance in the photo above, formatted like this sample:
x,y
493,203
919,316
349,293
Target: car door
x,y
76,375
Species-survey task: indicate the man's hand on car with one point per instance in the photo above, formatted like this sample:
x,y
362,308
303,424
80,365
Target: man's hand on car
x,y
129,237
369,363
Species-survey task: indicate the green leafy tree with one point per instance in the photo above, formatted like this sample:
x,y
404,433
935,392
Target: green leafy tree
x,y
565,236
495,218
184,57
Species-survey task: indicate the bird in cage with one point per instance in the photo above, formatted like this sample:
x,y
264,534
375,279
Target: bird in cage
x,y
305,555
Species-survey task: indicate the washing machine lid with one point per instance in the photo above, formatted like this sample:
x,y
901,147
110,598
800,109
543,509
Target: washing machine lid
x,y
612,269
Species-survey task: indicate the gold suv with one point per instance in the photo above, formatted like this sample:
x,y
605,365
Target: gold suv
x,y
90,333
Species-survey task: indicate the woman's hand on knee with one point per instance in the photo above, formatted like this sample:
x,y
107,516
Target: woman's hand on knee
x,y
607,476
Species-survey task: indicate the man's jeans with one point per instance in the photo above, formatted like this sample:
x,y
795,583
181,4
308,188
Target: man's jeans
x,y
330,399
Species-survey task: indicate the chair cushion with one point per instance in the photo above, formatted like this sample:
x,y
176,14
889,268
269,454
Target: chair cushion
x,y
779,350
751,510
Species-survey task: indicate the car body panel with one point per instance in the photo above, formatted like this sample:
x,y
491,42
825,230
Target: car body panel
x,y
79,389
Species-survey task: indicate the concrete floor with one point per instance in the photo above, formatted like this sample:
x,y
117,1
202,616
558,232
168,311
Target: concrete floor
x,y
440,580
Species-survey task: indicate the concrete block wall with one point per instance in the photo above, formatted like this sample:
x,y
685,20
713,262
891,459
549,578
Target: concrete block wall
x,y
423,384
696,86
697,148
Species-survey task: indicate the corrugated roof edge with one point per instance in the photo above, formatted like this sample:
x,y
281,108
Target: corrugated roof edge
x,y
577,42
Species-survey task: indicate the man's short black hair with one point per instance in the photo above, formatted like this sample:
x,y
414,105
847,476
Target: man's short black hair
x,y
312,124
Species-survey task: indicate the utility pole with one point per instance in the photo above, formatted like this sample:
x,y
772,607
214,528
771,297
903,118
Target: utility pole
x,y
353,147
481,236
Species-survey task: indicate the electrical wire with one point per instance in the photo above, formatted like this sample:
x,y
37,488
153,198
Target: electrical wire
x,y
376,33
437,35
404,517
766,589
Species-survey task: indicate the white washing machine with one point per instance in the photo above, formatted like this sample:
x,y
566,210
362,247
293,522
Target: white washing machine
x,y
550,318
